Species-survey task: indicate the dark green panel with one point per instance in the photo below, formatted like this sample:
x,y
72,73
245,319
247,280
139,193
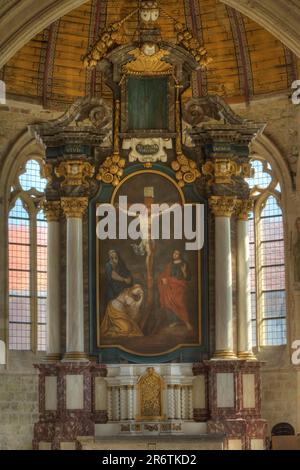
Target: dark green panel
x,y
147,103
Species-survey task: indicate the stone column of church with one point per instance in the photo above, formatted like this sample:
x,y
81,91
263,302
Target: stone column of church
x,y
52,211
243,282
223,208
74,208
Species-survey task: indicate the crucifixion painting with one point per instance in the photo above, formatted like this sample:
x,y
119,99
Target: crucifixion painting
x,y
148,290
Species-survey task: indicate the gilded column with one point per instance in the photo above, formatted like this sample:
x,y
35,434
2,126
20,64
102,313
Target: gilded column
x,y
223,208
243,282
74,208
52,211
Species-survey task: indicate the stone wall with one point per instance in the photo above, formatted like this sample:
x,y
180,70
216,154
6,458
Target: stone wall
x,y
18,410
282,120
279,397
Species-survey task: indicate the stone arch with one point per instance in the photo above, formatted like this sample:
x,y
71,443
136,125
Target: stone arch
x,y
266,149
23,148
21,21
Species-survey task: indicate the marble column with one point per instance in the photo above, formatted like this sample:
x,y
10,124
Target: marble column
x,y
243,282
52,211
177,396
74,208
123,402
223,208
130,402
171,401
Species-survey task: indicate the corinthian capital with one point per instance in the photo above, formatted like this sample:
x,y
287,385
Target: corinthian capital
x,y
222,206
74,206
244,206
52,210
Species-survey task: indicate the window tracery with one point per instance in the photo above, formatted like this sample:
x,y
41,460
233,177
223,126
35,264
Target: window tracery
x,y
267,265
27,253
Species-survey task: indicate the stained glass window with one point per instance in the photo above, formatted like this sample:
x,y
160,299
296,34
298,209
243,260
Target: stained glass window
x,y
19,278
272,274
41,279
27,243
267,265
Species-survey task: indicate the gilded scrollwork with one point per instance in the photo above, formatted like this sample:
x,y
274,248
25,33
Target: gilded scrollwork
x,y
246,170
112,169
75,173
186,170
150,387
47,172
221,171
186,39
148,60
105,43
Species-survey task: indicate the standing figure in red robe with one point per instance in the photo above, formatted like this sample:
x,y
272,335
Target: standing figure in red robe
x,y
173,285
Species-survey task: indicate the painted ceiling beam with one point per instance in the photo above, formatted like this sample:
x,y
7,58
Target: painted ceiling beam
x,y
279,17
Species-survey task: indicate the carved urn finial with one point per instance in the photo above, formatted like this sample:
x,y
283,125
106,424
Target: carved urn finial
x,y
149,12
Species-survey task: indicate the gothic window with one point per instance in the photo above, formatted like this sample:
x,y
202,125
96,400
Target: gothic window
x,y
27,243
268,299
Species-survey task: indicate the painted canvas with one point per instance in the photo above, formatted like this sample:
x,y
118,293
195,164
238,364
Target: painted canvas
x,y
148,291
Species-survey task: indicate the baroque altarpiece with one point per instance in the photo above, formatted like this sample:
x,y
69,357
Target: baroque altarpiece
x,y
158,338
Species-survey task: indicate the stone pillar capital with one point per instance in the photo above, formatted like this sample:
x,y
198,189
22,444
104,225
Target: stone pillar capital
x,y
52,210
243,207
222,206
74,207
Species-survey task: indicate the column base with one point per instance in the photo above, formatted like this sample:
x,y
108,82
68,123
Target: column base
x,y
224,354
52,358
74,410
75,356
241,434
246,356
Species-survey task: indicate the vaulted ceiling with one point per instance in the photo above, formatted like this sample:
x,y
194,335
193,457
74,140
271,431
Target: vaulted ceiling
x,y
247,60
